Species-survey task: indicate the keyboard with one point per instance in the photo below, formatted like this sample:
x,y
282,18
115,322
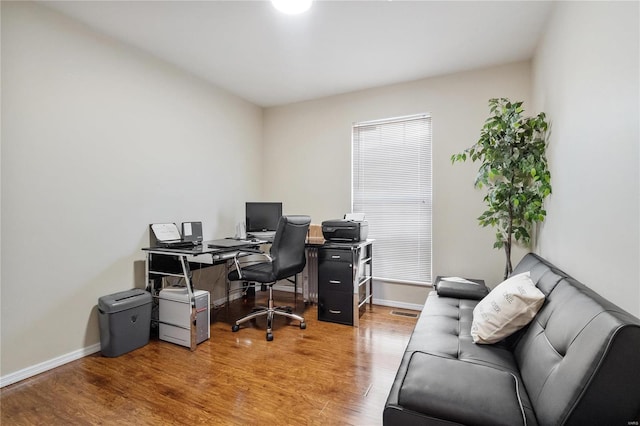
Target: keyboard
x,y
262,235
176,244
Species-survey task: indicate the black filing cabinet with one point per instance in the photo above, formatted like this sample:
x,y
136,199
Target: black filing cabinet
x,y
344,281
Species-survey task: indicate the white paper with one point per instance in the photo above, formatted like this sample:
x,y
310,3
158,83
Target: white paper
x,y
187,229
358,217
458,280
165,231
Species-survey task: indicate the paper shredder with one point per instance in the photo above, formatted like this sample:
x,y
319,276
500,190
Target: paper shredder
x,y
125,321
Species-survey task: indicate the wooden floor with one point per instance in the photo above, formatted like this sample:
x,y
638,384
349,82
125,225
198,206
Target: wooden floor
x,y
326,374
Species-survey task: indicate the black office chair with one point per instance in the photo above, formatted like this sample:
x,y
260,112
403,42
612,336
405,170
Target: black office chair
x,y
286,259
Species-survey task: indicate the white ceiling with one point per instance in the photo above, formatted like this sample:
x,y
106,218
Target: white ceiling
x,y
269,58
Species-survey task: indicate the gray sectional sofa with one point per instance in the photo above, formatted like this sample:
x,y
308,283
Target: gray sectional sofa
x,y
576,363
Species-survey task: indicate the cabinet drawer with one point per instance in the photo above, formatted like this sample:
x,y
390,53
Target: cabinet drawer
x,y
336,307
335,276
335,255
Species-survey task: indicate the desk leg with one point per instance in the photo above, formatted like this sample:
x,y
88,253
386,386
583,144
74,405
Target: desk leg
x,y
146,274
192,301
371,279
227,283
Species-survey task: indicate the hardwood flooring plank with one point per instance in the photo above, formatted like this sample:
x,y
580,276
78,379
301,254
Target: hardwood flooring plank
x,y
326,374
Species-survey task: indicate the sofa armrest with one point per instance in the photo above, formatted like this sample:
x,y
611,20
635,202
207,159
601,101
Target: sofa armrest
x,y
459,391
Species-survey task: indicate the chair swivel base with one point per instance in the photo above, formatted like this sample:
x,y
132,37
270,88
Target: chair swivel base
x,y
270,311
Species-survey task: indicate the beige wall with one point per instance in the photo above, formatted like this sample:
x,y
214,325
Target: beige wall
x,y
98,141
92,132
308,148
586,78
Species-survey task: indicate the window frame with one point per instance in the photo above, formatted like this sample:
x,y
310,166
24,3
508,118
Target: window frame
x,y
420,277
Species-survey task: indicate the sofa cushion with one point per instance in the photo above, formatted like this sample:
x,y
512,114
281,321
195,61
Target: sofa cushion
x,y
509,307
443,330
457,391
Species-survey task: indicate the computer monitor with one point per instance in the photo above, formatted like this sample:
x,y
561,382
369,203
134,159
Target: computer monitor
x,y
261,216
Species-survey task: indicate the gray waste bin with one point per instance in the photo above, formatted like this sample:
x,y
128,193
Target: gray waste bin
x,y
125,321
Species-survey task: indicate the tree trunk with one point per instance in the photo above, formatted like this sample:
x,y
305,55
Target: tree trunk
x,y
507,244
508,269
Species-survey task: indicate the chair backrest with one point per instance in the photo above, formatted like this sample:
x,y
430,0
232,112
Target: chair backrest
x,y
287,249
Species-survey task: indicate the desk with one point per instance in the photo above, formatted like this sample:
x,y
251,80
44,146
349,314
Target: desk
x,y
174,262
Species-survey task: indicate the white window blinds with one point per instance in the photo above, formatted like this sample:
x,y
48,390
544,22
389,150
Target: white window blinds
x,y
391,180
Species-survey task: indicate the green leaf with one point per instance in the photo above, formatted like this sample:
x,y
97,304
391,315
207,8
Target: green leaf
x,y
514,170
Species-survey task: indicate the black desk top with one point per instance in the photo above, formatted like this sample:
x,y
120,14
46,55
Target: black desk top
x,y
203,248
338,244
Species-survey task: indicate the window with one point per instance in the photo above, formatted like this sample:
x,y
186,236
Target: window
x,y
391,180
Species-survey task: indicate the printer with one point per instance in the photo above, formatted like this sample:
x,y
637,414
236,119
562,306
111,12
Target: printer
x,y
352,228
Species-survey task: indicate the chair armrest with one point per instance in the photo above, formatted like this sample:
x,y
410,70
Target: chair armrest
x,y
247,252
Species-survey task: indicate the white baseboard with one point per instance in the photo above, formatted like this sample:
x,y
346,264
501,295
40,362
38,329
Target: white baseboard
x,y
221,301
72,356
286,288
396,304
47,365
80,353
276,287
381,302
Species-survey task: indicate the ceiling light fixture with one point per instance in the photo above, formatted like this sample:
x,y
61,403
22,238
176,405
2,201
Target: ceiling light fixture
x,y
292,7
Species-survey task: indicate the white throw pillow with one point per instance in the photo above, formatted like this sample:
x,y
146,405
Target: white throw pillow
x,y
506,309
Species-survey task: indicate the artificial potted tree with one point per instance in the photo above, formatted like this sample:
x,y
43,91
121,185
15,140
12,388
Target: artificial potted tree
x,y
514,171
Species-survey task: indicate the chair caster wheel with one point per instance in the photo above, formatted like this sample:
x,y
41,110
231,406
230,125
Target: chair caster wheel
x,y
235,327
303,325
269,337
